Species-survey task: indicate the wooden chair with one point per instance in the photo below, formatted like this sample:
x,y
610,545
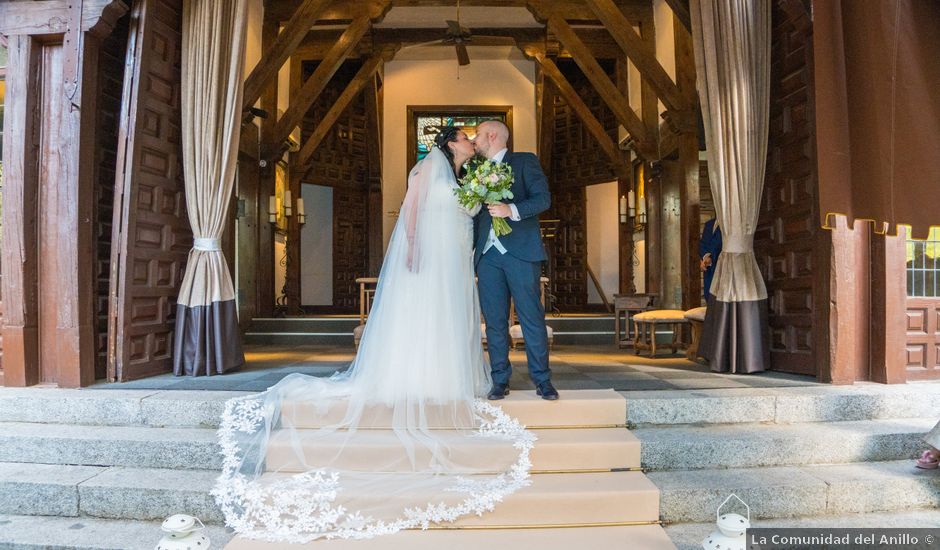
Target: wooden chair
x,y
626,305
696,318
366,294
645,329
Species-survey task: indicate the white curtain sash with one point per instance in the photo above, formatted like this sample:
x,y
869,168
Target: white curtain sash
x,y
737,244
207,244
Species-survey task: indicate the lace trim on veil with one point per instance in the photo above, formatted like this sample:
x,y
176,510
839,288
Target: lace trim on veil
x,y
301,507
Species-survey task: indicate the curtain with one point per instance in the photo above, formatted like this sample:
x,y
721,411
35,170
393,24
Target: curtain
x,y
207,339
877,76
732,63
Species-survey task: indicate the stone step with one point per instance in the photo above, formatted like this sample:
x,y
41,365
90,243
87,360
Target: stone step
x,y
141,447
106,492
194,448
329,324
557,500
757,445
22,532
794,491
576,408
783,405
555,450
151,494
689,536
646,537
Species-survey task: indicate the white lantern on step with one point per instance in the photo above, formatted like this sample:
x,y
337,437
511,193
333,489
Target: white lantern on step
x,y
181,534
732,529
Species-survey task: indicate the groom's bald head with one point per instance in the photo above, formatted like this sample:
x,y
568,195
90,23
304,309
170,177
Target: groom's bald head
x,y
492,137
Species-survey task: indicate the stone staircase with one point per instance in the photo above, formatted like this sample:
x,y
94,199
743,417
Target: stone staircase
x,y
97,468
797,456
107,462
337,330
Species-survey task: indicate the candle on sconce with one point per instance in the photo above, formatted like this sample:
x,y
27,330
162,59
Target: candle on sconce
x,y
300,207
631,199
287,203
272,209
623,209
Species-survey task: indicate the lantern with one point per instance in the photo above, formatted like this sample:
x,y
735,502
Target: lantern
x,y
181,534
731,529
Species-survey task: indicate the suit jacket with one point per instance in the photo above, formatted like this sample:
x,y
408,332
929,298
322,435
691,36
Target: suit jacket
x,y
531,197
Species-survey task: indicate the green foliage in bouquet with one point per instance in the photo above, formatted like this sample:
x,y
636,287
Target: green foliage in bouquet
x,y
486,182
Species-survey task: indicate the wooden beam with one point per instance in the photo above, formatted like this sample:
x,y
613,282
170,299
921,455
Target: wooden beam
x,y
52,16
287,41
314,86
642,57
365,74
688,165
680,8
601,82
545,106
581,109
344,11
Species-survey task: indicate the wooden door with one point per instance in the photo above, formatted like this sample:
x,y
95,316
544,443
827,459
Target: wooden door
x,y
151,237
788,236
922,344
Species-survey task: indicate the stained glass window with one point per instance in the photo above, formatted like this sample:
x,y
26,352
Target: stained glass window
x,y
430,125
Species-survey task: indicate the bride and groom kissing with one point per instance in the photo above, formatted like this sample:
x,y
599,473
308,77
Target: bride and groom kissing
x,y
402,439
508,266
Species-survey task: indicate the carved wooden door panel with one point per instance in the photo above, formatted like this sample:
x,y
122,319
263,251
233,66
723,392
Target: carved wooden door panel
x,y
788,230
350,246
151,236
570,254
923,338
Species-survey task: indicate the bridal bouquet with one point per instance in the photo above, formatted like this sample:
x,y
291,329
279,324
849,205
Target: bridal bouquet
x,y
486,182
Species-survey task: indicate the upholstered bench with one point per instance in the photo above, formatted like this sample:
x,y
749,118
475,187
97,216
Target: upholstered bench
x,y
696,319
645,324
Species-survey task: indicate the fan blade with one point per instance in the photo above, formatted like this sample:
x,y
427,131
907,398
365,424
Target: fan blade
x,y
462,57
422,44
454,28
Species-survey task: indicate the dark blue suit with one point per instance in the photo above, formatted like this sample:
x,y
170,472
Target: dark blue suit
x,y
709,243
515,274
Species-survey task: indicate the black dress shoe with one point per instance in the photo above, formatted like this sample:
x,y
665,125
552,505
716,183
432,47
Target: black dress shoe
x,y
547,391
498,391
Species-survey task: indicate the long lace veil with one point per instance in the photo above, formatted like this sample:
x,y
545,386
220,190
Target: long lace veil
x,y
398,440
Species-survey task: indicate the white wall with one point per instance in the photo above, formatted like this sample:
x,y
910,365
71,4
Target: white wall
x,y
665,40
603,246
435,83
316,246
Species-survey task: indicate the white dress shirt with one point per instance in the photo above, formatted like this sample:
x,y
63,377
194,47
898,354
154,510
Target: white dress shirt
x,y
493,241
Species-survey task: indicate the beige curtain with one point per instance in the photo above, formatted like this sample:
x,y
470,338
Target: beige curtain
x,y
207,339
732,63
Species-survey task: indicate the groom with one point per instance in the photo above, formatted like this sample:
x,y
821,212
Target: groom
x,y
511,266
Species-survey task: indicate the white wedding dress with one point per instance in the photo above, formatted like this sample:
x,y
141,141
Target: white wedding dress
x,y
401,439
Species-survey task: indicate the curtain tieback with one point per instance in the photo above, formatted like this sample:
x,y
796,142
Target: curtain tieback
x,y
737,244
207,244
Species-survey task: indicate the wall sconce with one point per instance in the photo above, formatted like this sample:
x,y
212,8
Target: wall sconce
x,y
627,206
639,222
301,215
275,205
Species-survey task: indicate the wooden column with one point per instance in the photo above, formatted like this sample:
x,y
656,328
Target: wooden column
x,y
649,113
888,308
255,213
624,185
374,201
20,183
687,127
842,295
264,289
49,276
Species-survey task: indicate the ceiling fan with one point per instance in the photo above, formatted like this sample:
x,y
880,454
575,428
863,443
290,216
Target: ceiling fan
x,y
460,36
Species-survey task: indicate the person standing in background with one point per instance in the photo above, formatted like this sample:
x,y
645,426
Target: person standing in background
x,y
709,248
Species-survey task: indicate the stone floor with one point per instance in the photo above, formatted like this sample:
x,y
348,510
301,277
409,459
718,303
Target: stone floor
x,y
573,367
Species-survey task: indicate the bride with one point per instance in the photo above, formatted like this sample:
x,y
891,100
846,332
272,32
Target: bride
x,y
400,440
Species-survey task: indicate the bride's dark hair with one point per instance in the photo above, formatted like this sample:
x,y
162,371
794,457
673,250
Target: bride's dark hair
x,y
445,136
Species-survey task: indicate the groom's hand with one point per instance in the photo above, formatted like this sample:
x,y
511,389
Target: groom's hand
x,y
500,210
